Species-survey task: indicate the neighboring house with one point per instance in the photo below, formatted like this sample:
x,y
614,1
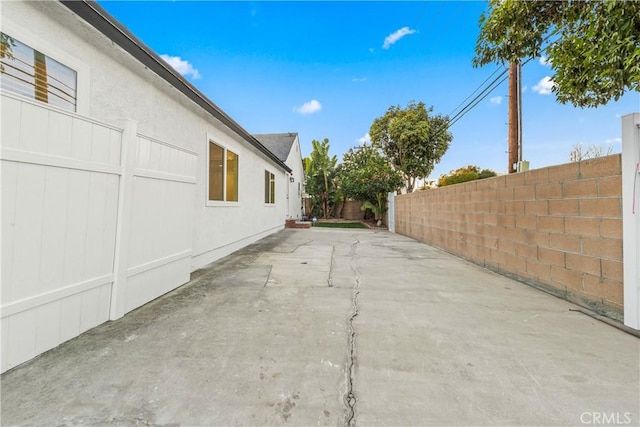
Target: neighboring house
x,y
119,178
286,147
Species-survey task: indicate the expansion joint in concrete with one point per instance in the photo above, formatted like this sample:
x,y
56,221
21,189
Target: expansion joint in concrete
x,y
350,397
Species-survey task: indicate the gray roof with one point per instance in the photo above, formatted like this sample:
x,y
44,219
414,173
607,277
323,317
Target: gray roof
x,y
94,14
278,143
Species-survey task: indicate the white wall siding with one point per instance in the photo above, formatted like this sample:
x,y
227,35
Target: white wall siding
x,y
294,161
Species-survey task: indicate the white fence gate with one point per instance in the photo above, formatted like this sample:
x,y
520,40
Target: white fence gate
x,y
391,212
96,221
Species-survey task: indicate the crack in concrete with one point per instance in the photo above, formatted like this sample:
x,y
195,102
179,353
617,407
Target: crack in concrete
x,y
307,243
268,276
350,397
330,278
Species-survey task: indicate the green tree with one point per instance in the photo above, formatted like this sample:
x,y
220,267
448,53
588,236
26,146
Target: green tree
x,y
321,171
464,174
593,46
366,175
413,139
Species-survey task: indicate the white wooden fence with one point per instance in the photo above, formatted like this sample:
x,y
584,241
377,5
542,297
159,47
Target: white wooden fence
x,y
391,211
96,221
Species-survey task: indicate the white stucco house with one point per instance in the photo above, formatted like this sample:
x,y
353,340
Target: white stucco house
x,y
286,146
119,177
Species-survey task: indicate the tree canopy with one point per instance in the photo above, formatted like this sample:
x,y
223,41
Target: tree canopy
x,y
366,175
320,169
464,174
593,46
413,139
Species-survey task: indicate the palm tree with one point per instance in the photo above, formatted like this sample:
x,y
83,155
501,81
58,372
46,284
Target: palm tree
x,y
320,172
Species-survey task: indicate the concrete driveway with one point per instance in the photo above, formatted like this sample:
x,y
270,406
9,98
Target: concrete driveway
x,y
337,327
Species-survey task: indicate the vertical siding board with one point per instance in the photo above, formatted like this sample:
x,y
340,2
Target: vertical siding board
x,y
10,120
137,244
34,125
143,153
54,230
165,158
21,337
60,128
48,329
7,217
76,227
89,309
111,208
81,140
96,224
154,156
100,143
4,344
104,303
115,143
70,317
28,231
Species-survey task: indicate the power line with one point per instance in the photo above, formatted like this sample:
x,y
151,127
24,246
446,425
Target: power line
x,y
482,95
477,89
490,88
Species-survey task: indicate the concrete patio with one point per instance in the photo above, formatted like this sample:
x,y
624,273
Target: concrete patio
x,y
337,327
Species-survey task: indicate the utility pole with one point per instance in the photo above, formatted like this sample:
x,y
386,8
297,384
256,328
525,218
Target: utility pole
x,y
520,158
514,150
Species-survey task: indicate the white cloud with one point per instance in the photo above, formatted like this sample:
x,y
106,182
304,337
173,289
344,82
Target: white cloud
x,y
544,61
181,66
544,86
366,139
358,79
497,100
394,37
613,140
310,107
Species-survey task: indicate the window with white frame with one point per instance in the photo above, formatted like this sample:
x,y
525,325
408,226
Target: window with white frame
x,y
269,188
223,174
29,72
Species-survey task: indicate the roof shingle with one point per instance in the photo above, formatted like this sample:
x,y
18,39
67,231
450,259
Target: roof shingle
x,y
278,143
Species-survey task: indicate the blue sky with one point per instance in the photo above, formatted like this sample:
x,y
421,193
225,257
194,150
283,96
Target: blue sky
x,y
328,69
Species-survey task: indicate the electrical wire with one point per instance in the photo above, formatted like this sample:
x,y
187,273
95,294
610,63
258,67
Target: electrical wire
x,y
482,95
477,89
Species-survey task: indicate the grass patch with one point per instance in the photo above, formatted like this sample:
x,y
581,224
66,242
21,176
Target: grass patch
x,y
340,224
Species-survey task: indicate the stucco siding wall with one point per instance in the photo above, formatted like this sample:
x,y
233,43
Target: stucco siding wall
x,y
558,228
294,161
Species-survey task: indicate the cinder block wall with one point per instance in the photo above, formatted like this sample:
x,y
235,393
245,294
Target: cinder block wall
x,y
351,210
557,228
